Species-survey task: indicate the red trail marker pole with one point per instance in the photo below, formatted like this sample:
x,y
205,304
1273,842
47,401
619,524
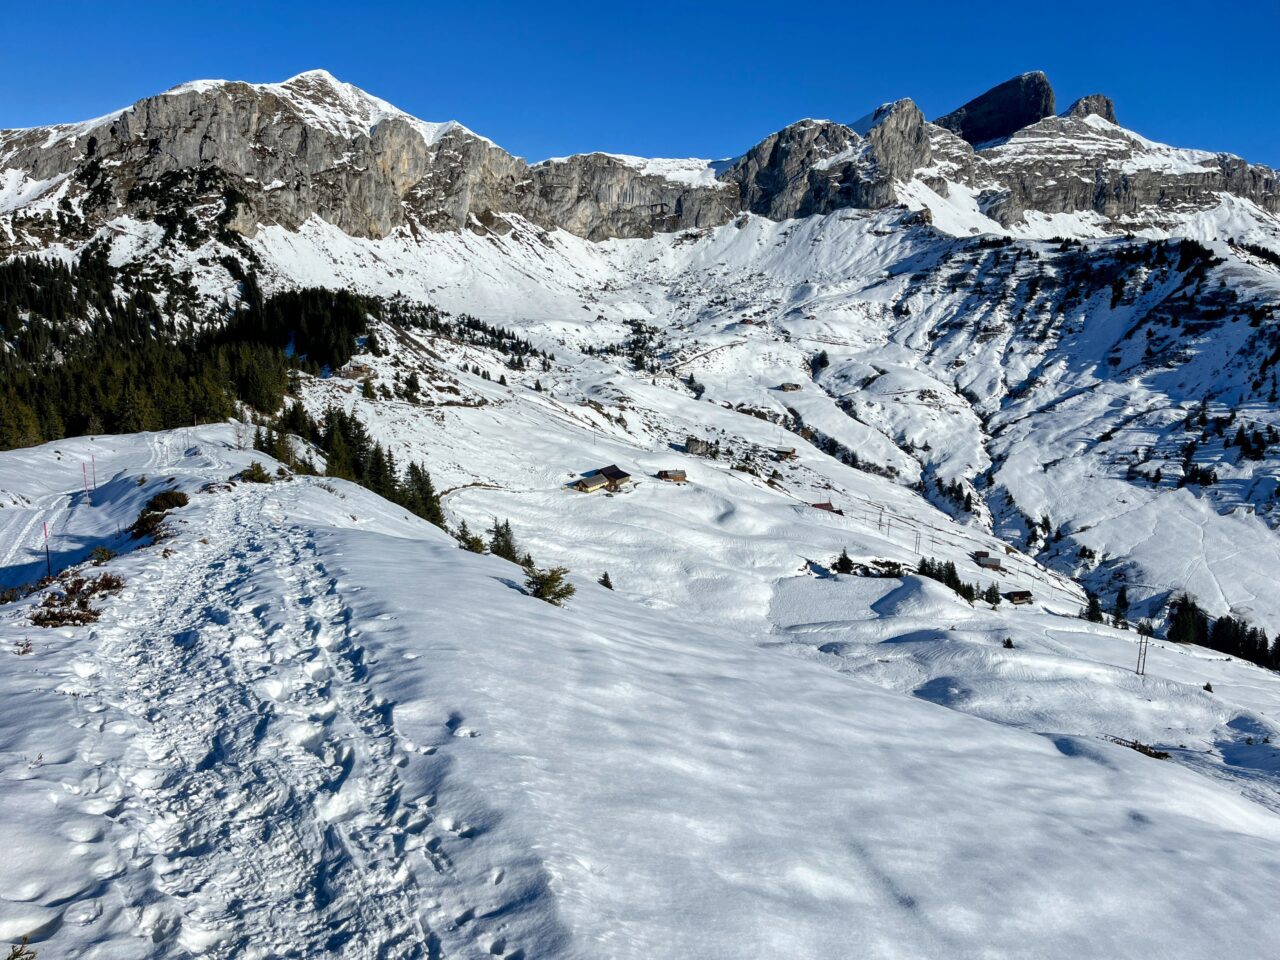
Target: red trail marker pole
x,y
93,457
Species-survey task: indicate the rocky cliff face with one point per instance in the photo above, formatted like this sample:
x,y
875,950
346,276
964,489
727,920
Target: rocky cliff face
x,y
222,159
1096,104
1002,110
313,147
817,166
1082,162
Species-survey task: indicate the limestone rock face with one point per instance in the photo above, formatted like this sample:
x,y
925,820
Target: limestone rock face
x,y
1096,104
1083,163
313,147
227,159
817,166
1002,110
599,197
775,177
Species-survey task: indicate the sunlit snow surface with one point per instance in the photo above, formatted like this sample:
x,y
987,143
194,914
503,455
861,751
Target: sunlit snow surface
x,y
312,726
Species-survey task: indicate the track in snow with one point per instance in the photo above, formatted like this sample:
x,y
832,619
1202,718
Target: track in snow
x,y
259,786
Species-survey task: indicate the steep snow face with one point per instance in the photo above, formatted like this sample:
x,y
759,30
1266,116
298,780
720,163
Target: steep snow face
x,y
309,725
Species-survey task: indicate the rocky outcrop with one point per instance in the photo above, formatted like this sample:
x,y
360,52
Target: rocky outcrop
x,y
1094,103
1002,110
775,177
817,166
1080,163
599,196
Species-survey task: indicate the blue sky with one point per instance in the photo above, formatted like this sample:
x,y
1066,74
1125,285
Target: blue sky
x,y
658,78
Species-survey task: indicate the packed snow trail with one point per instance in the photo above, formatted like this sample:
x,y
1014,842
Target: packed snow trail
x,y
257,773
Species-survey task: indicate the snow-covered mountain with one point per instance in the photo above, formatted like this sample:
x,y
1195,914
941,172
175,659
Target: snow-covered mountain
x,y
1031,344
246,155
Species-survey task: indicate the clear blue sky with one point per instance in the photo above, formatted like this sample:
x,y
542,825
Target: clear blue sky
x,y
659,78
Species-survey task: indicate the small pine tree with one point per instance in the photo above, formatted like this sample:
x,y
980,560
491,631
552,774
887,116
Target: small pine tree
x,y
502,542
1093,612
843,563
605,582
992,595
468,540
1121,612
550,585
366,390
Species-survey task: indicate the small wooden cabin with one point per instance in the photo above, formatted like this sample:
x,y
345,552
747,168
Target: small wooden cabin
x,y
988,562
673,476
788,387
591,484
784,453
615,477
356,371
829,507
1019,597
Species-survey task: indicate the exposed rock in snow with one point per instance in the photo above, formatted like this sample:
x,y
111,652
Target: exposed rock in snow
x,y
1004,109
1094,103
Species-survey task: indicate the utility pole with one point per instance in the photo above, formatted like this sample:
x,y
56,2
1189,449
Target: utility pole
x,y
1143,643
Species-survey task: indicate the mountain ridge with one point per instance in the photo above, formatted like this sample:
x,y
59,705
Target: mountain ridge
x,y
313,145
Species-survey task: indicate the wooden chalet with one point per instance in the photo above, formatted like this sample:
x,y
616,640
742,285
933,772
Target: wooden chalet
x,y
1019,597
591,484
356,371
610,478
784,453
673,476
789,387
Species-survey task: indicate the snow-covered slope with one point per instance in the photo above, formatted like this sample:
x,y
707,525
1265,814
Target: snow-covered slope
x,y
309,725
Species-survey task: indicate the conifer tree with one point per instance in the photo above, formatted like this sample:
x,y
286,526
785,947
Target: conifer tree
x,y
1093,611
605,582
1121,612
550,585
468,540
502,542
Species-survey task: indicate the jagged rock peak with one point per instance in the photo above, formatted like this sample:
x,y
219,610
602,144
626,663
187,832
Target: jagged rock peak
x,y
1094,103
1003,110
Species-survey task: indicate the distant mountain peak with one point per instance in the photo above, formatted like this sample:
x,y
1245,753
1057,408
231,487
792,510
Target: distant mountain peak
x,y
1003,110
1094,103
